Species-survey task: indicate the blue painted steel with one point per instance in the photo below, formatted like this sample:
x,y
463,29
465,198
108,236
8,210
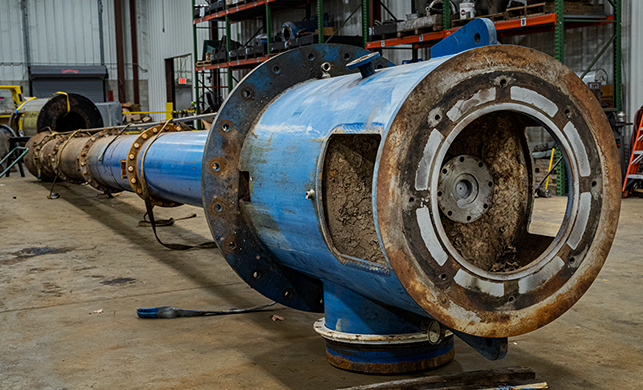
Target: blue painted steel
x,y
282,155
104,161
365,64
172,164
348,312
477,33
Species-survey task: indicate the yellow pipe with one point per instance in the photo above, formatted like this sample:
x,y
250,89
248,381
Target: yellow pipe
x,y
551,161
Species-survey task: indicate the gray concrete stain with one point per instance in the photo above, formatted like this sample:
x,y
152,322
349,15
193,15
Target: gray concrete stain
x,y
28,253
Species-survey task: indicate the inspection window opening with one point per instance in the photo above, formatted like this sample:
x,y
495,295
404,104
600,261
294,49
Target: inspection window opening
x,y
347,190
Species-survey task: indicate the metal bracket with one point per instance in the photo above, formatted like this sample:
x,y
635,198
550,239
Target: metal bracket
x,y
477,33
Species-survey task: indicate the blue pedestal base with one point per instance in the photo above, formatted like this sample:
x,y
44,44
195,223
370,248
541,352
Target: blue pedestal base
x,y
363,336
384,354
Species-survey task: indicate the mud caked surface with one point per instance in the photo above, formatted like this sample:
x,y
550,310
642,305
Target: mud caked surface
x,y
347,195
492,242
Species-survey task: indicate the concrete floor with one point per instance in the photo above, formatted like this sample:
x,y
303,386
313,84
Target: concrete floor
x,y
60,260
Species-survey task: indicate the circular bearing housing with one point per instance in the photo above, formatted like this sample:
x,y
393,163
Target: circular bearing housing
x,y
465,189
490,277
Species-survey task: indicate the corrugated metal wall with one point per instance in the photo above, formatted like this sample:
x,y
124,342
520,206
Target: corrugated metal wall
x,y
66,32
12,54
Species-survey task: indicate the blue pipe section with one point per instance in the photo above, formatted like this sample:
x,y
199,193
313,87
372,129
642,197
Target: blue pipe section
x,y
348,312
172,164
283,154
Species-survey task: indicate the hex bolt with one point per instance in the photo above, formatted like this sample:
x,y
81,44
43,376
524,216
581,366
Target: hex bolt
x,y
133,180
130,168
136,145
131,156
144,136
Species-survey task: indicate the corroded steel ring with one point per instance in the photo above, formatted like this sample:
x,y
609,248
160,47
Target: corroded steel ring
x,y
134,155
38,158
84,156
385,354
58,148
450,268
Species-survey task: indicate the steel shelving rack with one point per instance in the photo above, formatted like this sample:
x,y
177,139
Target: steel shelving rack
x,y
555,21
255,10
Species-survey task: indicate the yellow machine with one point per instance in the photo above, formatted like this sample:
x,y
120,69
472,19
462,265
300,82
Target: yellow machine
x,y
16,97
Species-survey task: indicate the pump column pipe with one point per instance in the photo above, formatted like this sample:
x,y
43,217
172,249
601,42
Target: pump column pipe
x,y
395,200
172,162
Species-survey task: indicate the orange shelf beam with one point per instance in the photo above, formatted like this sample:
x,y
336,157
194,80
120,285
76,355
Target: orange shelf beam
x,y
233,64
529,21
231,10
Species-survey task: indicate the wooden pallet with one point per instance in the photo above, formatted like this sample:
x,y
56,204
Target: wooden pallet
x,y
200,64
419,26
577,8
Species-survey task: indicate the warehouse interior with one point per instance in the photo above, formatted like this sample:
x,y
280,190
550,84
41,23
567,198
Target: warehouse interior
x,y
354,194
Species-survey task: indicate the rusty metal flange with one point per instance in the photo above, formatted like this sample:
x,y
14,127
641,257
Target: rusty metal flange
x,y
58,148
221,177
138,150
44,153
84,156
484,90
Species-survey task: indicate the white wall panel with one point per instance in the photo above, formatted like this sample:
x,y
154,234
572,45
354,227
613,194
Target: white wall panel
x,y
168,34
12,54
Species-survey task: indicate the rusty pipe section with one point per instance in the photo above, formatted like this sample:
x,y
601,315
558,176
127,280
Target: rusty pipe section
x,y
61,112
168,156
